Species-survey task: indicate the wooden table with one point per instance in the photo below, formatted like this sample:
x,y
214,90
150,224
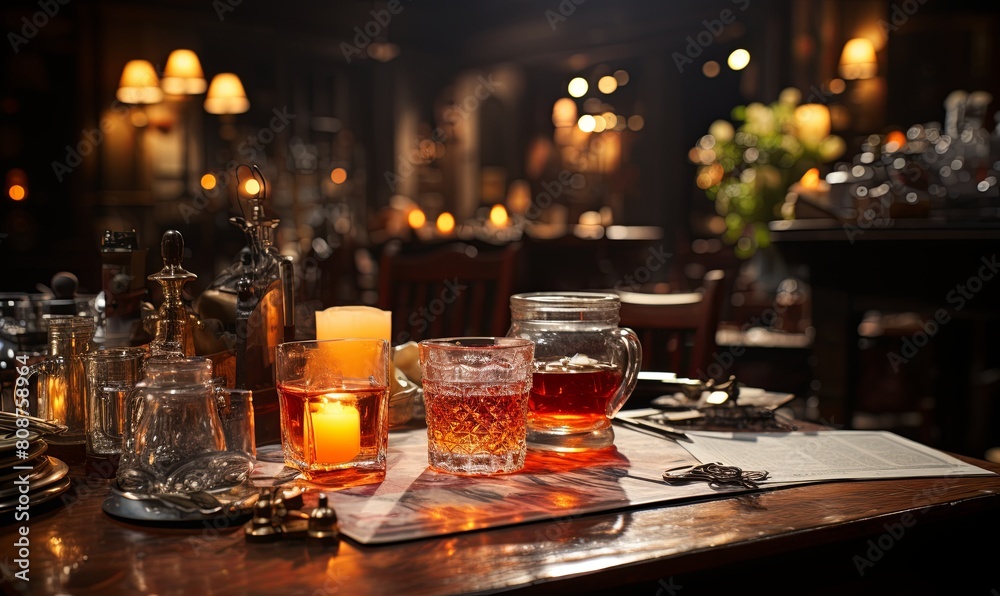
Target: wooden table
x,y
906,536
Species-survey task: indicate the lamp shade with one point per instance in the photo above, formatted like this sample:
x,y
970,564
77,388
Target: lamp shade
x,y
183,74
226,95
858,60
139,83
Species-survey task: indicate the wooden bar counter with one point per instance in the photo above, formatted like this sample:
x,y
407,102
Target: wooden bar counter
x,y
933,535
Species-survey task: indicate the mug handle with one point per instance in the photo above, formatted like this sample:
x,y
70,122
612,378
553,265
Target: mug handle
x,y
631,376
235,408
49,366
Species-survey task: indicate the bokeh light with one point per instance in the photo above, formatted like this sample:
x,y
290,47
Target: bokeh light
x,y
577,87
251,187
446,223
338,175
416,219
498,215
739,59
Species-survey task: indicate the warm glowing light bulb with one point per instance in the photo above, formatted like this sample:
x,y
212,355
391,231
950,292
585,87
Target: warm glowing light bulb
x,y
338,175
587,123
416,219
445,223
251,187
607,85
498,215
739,59
578,87
16,192
208,181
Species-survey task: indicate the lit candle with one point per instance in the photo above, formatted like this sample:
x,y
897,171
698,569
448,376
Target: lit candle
x,y
333,430
342,322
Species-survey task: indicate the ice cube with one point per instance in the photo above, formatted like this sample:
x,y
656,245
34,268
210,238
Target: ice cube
x,y
582,360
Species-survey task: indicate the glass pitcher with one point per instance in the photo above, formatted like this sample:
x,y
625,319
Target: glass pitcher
x,y
62,377
175,440
585,367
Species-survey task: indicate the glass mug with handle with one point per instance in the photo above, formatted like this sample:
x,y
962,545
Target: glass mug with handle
x,y
112,374
63,390
585,367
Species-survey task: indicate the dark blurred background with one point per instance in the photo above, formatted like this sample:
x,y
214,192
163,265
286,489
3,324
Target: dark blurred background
x,y
362,114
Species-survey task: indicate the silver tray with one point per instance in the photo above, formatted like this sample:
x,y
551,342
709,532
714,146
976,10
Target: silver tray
x,y
124,505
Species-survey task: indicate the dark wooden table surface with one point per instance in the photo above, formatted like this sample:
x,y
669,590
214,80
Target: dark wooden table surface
x,y
885,537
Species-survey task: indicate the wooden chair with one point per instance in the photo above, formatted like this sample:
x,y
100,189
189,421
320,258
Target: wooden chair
x,y
677,331
454,291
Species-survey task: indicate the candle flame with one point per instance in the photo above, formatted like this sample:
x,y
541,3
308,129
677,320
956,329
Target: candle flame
x,y
810,180
416,219
498,216
446,223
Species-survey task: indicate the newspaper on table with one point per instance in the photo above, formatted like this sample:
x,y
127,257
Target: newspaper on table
x,y
416,502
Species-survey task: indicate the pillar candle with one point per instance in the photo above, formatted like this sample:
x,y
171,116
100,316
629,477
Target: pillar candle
x,y
341,322
334,430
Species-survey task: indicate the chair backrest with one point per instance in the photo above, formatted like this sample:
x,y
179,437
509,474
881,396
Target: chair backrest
x,y
677,331
452,291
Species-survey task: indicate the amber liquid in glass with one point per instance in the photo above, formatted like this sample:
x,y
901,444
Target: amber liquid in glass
x,y
476,428
299,438
572,399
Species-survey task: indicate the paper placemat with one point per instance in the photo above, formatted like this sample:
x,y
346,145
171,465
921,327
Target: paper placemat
x,y
416,502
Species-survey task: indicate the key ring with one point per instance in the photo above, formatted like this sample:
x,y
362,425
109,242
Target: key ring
x,y
715,474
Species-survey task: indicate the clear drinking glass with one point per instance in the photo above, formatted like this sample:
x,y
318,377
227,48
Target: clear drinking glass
x,y
476,400
585,367
334,400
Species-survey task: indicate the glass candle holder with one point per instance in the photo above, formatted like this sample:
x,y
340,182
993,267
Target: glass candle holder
x,y
334,400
